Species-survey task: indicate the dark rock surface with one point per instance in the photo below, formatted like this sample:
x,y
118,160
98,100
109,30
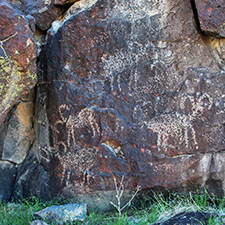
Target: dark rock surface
x,y
187,218
32,180
211,14
8,175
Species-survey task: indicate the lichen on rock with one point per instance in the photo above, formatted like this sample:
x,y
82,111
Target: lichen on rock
x,y
17,58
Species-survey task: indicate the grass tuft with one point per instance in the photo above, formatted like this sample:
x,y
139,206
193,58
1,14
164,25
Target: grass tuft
x,y
159,209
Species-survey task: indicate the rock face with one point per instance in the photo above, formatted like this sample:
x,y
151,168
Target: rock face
x,y
126,88
8,174
211,16
17,78
19,135
132,89
17,58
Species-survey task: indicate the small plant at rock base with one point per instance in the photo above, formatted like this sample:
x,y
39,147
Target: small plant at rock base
x,y
119,193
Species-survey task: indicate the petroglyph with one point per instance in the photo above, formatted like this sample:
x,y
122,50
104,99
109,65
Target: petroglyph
x,y
44,154
86,118
77,162
172,126
169,168
72,156
203,104
177,129
123,9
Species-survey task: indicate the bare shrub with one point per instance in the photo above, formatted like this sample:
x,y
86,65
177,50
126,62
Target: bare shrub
x,y
119,193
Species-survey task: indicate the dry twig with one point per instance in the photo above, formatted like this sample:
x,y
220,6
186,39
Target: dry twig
x,y
119,193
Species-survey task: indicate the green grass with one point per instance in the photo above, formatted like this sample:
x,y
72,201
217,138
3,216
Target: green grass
x,y
158,209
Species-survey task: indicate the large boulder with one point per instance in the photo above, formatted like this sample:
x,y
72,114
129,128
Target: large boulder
x,y
126,88
133,90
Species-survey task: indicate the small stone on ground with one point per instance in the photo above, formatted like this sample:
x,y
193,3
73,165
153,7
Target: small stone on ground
x,y
63,213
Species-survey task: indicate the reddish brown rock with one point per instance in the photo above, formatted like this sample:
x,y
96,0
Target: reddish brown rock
x,y
211,14
44,12
131,97
17,58
126,88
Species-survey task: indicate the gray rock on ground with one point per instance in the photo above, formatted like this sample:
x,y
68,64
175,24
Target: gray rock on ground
x,y
63,213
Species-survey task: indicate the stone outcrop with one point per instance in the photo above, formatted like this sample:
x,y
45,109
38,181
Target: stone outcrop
x,y
41,12
17,78
126,88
